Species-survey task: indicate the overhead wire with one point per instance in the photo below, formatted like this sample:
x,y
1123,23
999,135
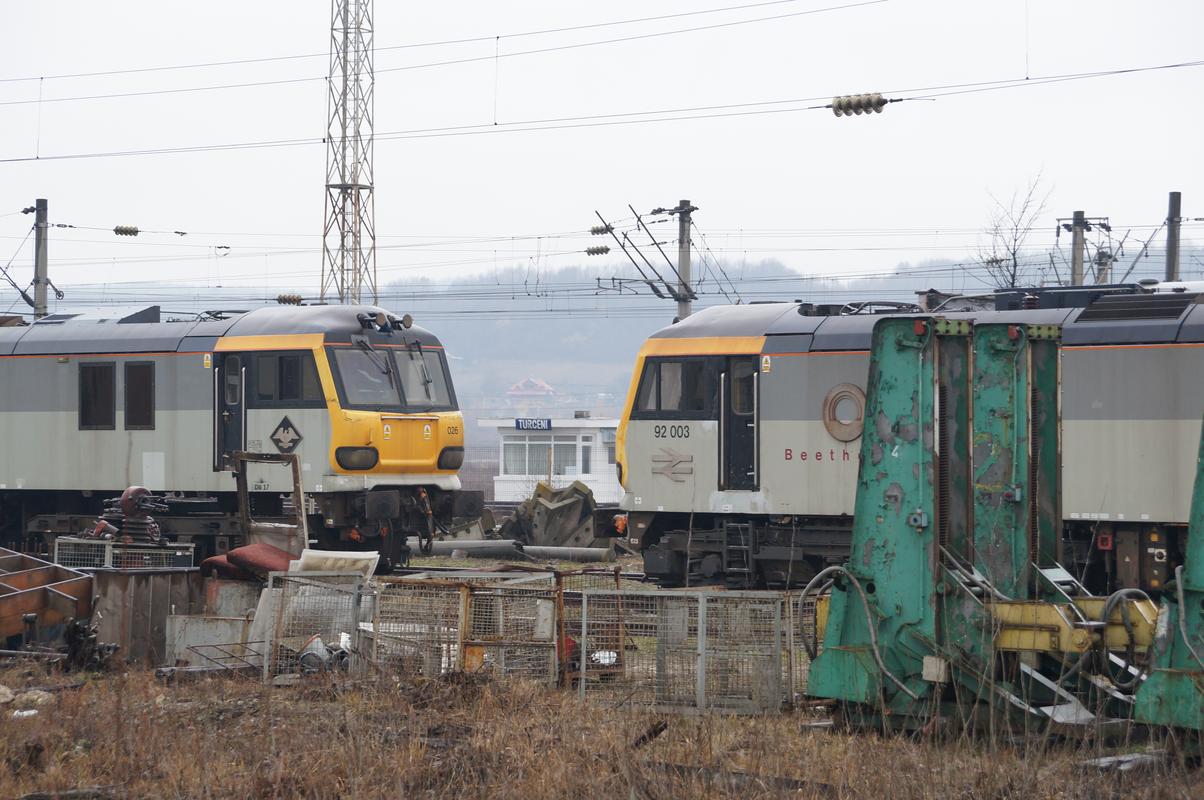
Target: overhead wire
x,y
406,46
616,119
447,62
7,277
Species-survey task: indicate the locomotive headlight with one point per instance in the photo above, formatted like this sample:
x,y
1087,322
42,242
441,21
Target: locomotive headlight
x,y
356,457
451,458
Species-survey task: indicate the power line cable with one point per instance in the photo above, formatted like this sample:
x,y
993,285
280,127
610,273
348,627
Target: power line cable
x,y
648,117
4,270
445,63
407,46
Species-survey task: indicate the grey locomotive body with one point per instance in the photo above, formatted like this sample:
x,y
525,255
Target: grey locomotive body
x,y
739,449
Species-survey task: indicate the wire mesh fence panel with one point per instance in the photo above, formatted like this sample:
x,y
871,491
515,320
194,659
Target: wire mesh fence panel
x,y
106,553
317,622
743,652
416,626
513,632
515,577
81,553
683,651
573,584
798,629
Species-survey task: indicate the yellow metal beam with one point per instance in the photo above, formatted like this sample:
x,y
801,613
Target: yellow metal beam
x,y
1057,628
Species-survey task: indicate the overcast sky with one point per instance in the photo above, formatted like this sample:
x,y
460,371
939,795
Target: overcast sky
x,y
821,194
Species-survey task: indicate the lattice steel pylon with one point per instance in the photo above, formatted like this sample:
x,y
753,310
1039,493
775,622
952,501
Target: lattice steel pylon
x,y
349,233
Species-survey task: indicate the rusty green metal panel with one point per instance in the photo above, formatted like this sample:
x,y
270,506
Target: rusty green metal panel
x,y
1015,454
1045,361
894,549
1173,694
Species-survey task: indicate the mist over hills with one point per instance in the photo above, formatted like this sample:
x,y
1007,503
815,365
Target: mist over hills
x,y
572,329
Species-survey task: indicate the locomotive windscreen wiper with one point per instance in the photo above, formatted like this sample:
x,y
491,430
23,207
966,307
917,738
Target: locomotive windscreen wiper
x,y
427,380
381,363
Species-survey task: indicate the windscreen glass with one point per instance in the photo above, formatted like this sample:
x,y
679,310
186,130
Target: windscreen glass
x,y
368,378
423,378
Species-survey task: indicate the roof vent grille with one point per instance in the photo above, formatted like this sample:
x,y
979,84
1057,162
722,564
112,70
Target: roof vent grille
x,y
1137,306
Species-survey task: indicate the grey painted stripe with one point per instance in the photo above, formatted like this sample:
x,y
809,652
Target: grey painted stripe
x,y
1139,383
791,343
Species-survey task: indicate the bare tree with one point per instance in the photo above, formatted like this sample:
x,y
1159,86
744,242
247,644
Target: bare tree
x,y
1003,257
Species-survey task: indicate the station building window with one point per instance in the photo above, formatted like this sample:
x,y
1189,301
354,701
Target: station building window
x,y
97,396
528,455
140,396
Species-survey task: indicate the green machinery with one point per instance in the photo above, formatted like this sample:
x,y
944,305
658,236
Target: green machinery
x,y
953,608
1173,694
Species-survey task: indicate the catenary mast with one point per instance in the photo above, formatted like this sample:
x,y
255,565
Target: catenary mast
x,y
348,233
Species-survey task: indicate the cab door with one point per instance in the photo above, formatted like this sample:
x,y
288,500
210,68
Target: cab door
x,y
230,409
738,421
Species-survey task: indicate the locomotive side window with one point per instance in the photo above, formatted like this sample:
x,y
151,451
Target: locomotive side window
x,y
677,388
286,380
140,396
742,387
233,383
97,397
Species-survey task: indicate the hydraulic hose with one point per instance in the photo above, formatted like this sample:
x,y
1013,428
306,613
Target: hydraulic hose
x,y
1182,616
1110,606
869,623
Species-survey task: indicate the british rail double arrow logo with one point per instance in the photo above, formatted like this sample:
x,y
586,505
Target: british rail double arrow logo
x,y
672,464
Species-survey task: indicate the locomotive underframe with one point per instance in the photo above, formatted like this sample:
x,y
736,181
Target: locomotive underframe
x,y
747,552
30,520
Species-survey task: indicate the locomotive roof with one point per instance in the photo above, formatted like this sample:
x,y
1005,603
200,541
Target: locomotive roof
x,y
86,334
1120,319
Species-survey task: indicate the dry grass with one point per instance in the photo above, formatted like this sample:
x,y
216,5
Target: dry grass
x,y
468,737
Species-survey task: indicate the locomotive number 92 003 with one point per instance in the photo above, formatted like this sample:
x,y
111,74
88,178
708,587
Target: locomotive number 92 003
x,y
671,432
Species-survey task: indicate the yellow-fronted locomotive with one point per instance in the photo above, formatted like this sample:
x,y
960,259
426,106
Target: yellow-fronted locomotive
x,y
90,406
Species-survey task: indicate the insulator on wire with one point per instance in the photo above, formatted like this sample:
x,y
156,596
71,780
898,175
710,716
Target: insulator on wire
x,y
601,230
850,104
288,299
597,251
126,230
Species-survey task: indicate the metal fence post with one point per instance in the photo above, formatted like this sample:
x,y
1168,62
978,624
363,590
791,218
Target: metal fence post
x,y
583,648
462,631
777,648
700,697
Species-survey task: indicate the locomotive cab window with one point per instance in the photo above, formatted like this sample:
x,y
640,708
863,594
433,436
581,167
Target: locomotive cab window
x,y
97,397
392,379
367,379
423,378
140,396
676,388
286,380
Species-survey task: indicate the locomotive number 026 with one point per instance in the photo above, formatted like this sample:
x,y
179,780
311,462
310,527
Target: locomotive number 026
x,y
671,431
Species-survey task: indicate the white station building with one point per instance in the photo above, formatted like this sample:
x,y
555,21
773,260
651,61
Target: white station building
x,y
562,449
